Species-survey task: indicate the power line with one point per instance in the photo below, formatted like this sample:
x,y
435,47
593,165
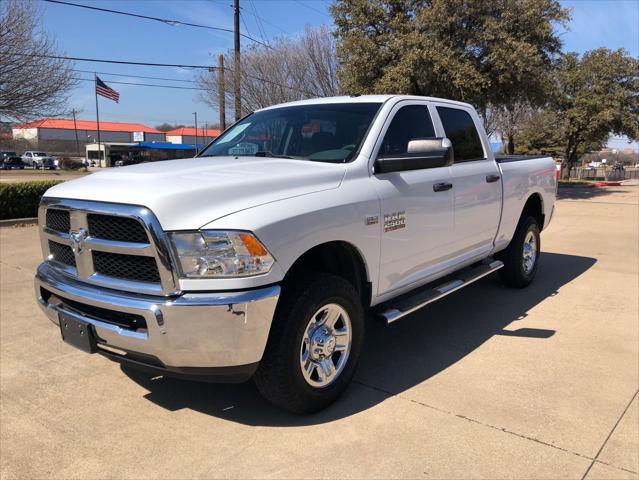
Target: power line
x,y
258,20
246,26
156,19
144,84
254,14
135,76
116,74
146,64
119,62
312,8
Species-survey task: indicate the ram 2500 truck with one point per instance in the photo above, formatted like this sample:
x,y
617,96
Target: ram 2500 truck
x,y
263,256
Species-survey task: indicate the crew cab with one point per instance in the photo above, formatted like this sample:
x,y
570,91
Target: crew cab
x,y
261,256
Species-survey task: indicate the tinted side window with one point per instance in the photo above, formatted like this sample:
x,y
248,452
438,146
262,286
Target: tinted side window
x,y
460,130
410,122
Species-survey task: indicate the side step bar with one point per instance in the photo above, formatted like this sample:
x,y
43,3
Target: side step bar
x,y
424,297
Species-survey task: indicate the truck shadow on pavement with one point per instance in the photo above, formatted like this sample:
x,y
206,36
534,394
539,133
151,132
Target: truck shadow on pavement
x,y
394,358
579,192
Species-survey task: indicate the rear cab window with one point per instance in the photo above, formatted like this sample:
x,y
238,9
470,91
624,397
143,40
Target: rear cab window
x,y
462,132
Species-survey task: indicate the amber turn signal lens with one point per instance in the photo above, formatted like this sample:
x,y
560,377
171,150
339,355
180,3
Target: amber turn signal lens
x,y
253,245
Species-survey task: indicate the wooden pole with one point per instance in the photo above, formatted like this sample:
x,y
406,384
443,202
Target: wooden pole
x,y
237,67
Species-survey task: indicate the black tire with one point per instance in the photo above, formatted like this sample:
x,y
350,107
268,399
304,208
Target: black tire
x,y
279,377
513,273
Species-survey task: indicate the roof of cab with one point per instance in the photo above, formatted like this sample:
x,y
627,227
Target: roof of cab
x,y
362,99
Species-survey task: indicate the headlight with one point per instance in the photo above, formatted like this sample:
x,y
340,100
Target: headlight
x,y
220,254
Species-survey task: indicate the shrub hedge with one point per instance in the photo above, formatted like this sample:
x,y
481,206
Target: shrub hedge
x,y
21,199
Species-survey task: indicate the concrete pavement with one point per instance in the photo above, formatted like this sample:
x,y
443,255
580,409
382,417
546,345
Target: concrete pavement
x,y
488,383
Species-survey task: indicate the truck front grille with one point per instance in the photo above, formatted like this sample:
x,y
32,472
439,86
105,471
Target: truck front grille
x,y
126,267
122,229
58,220
62,253
116,246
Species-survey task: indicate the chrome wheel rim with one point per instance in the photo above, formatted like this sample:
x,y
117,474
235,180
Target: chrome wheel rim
x,y
326,345
529,253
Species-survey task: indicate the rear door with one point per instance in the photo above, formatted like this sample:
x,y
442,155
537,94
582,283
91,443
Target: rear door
x,y
416,219
476,183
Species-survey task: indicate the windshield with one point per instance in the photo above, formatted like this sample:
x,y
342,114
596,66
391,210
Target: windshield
x,y
322,133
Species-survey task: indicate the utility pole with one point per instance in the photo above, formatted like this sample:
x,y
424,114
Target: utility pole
x,y
221,91
195,113
236,35
75,127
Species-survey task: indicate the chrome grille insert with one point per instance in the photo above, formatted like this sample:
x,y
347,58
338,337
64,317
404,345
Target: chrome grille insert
x,y
62,253
127,267
58,220
120,229
117,246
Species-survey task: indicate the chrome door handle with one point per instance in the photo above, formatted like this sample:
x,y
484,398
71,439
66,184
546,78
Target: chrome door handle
x,y
442,187
492,178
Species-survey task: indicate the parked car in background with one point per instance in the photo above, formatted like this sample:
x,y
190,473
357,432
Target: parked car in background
x,y
35,159
49,164
261,256
5,154
12,163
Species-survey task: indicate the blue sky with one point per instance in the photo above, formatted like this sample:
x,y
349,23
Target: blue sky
x,y
85,33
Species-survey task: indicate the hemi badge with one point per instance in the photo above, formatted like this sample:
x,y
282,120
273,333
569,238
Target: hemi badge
x,y
372,220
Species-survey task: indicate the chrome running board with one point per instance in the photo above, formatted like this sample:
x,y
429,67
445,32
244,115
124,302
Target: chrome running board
x,y
410,304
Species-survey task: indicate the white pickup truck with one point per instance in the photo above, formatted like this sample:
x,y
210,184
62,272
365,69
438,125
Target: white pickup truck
x,y
262,256
37,160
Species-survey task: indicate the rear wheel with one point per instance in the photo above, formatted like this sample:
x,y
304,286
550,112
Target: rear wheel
x,y
521,258
314,344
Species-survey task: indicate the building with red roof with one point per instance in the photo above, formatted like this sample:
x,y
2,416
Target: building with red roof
x,y
60,129
188,135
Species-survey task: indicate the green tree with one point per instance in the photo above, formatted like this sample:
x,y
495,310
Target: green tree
x,y
594,96
165,127
487,53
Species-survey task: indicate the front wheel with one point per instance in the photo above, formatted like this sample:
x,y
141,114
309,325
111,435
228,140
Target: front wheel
x,y
521,258
314,344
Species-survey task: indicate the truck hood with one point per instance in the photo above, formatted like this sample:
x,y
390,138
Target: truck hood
x,y
188,194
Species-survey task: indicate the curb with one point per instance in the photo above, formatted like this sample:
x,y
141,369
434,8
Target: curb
x,y
12,222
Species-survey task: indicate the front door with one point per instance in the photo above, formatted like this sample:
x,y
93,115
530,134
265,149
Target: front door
x,y
416,218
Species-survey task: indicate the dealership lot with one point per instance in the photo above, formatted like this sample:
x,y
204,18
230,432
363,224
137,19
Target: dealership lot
x,y
490,382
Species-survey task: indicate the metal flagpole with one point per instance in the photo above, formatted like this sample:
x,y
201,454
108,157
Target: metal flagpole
x,y
75,127
97,116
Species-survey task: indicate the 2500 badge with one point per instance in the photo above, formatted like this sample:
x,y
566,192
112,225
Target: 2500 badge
x,y
394,221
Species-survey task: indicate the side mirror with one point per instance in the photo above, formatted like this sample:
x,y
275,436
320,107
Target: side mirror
x,y
421,153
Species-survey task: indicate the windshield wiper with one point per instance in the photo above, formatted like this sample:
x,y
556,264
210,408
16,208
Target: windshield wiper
x,y
264,153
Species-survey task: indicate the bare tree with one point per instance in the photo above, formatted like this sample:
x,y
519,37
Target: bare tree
x,y
30,86
508,122
291,69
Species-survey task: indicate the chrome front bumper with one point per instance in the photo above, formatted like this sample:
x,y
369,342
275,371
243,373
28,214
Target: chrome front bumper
x,y
187,332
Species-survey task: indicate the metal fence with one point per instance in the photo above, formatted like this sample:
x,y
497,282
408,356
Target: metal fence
x,y
583,173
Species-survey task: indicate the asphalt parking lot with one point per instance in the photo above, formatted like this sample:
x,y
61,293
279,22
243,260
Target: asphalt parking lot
x,y
488,383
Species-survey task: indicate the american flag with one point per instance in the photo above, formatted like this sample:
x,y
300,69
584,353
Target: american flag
x,y
103,89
